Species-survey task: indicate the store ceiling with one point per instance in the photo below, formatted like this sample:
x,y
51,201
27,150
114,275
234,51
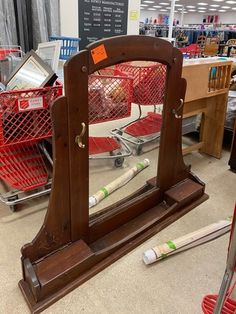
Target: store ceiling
x,y
191,6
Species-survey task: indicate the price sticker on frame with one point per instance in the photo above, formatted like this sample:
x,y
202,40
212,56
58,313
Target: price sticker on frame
x,y
99,54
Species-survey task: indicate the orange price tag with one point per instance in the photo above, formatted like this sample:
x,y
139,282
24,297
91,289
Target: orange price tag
x,y
99,54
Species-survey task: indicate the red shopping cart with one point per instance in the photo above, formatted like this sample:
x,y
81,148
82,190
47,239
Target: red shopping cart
x,y
192,51
10,57
110,96
149,88
223,303
7,50
24,120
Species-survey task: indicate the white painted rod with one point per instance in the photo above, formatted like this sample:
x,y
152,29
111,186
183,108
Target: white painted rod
x,y
187,241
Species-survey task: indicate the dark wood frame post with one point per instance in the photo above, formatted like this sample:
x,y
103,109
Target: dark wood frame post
x,y
71,245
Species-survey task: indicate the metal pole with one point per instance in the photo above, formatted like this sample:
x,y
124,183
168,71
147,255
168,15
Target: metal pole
x,y
229,272
182,17
171,19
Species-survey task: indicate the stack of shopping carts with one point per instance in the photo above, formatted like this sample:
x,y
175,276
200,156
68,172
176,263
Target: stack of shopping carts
x,y
24,121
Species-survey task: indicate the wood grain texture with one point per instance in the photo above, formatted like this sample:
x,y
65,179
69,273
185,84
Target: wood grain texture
x,y
56,229
71,246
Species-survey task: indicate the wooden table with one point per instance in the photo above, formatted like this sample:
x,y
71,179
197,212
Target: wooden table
x,y
207,93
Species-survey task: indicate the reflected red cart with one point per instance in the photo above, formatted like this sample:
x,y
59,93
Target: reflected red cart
x,y
149,90
110,96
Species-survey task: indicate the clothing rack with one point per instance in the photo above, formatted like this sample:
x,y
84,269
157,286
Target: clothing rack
x,y
191,32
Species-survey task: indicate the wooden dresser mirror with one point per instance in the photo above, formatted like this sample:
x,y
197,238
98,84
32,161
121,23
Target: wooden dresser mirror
x,y
72,246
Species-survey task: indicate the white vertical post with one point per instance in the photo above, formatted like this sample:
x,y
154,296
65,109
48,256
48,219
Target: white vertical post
x,y
69,18
182,17
133,17
171,19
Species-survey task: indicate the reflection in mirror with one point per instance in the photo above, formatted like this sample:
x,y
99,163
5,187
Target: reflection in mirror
x,y
125,117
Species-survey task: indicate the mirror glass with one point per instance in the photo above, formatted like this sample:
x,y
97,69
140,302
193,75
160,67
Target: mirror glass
x,y
125,117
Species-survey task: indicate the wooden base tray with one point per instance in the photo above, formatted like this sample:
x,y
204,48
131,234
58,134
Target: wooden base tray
x,y
58,274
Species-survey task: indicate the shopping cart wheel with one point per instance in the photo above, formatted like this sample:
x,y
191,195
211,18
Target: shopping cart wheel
x,y
119,161
119,132
12,199
139,150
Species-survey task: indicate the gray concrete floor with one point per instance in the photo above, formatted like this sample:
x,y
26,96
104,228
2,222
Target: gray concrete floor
x,y
175,285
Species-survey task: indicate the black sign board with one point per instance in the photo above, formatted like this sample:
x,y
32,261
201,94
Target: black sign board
x,y
100,19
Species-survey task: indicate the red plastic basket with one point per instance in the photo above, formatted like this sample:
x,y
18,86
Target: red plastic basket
x,y
209,302
110,96
22,166
25,114
149,81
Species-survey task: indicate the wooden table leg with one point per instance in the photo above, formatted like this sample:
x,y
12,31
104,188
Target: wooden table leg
x,y
212,131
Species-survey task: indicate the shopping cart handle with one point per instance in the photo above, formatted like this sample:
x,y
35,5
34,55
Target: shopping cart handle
x,y
78,139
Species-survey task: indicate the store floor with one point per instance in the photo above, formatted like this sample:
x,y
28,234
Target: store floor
x,y
175,285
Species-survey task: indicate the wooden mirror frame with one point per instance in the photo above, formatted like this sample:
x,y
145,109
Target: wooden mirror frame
x,y
72,246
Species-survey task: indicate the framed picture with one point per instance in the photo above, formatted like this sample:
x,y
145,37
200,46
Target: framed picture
x,y
49,52
33,72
